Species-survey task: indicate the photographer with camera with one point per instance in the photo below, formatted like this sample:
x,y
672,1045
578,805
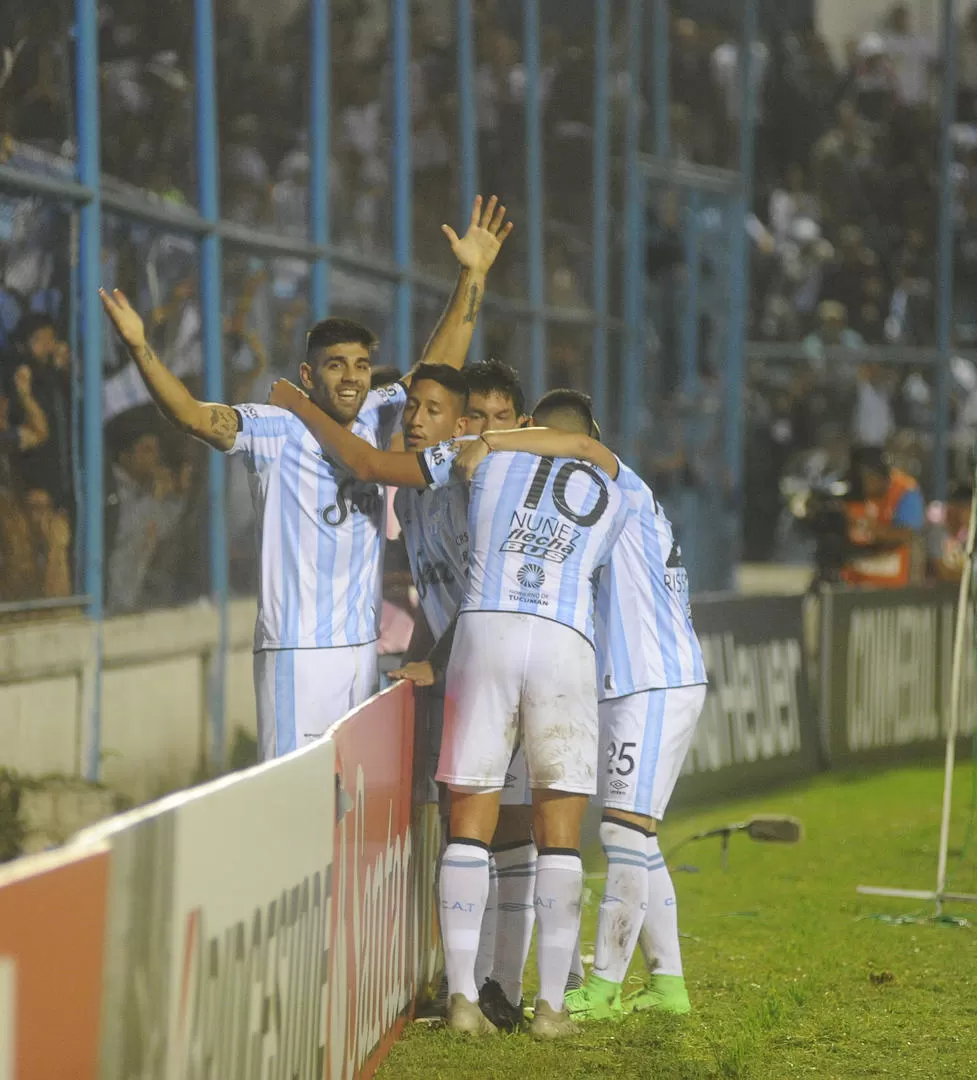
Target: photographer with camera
x,y
885,516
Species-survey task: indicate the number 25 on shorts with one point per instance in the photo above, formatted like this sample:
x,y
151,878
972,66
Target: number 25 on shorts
x,y
619,760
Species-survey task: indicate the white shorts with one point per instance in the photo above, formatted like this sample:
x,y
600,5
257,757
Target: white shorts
x,y
643,742
428,726
519,680
300,693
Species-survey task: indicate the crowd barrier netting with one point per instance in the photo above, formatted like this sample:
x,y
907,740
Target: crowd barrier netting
x,y
281,920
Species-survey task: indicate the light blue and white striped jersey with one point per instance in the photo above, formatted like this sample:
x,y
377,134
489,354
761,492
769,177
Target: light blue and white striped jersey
x,y
645,639
540,529
435,525
320,533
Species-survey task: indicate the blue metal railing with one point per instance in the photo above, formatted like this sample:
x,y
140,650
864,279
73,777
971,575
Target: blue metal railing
x,y
647,52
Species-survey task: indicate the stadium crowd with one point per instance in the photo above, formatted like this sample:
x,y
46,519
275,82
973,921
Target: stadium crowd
x,y
843,235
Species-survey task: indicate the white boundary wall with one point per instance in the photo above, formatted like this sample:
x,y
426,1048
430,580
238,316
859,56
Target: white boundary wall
x,y
155,670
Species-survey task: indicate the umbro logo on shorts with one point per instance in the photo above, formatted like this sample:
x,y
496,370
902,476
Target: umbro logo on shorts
x,y
510,779
618,785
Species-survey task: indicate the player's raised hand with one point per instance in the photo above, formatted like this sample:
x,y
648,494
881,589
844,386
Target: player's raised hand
x,y
478,248
419,672
285,394
126,320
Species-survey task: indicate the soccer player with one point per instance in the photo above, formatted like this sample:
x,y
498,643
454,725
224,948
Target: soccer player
x,y
435,526
651,688
321,532
522,667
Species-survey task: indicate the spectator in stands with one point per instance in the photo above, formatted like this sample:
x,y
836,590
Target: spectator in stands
x,y
147,503
948,526
35,547
873,421
833,332
911,56
33,431
872,86
885,516
840,159
792,202
39,367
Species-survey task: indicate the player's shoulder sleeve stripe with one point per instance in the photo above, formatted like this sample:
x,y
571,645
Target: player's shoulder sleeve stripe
x,y
425,470
263,420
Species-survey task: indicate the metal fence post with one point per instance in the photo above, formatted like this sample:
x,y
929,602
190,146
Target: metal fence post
x,y
211,317
634,272
403,179
534,200
468,135
89,280
944,254
320,137
739,261
602,208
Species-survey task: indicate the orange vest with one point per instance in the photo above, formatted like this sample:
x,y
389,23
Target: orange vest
x,y
890,568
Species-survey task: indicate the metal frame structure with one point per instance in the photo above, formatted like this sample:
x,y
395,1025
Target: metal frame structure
x,y
647,49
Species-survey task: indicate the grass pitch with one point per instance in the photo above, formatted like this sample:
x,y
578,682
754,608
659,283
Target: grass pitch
x,y
788,973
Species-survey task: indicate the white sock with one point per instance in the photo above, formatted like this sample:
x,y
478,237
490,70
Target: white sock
x,y
464,891
559,886
659,935
625,899
516,917
485,958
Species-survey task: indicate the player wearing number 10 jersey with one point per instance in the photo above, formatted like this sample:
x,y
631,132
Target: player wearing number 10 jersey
x,y
652,689
522,668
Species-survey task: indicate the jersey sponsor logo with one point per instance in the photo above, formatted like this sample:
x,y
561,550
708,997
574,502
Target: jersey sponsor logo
x,y
388,393
248,410
432,573
352,496
531,576
541,536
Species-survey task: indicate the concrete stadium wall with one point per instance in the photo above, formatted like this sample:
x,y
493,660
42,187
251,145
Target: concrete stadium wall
x,y
156,670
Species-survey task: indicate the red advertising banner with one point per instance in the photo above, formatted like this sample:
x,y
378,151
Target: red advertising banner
x,y
384,945
52,929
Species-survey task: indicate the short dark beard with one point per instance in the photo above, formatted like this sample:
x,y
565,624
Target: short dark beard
x,y
327,406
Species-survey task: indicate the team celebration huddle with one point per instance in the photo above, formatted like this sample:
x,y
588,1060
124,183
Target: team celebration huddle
x,y
554,655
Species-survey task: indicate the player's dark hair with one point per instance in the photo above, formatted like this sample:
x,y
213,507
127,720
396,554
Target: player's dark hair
x,y
444,375
336,331
495,377
29,324
384,375
571,410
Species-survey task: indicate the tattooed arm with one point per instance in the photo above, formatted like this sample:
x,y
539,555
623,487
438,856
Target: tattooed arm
x,y
212,423
476,251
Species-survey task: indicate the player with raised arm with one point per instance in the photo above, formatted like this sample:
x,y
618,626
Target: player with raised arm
x,y
320,531
435,525
539,530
